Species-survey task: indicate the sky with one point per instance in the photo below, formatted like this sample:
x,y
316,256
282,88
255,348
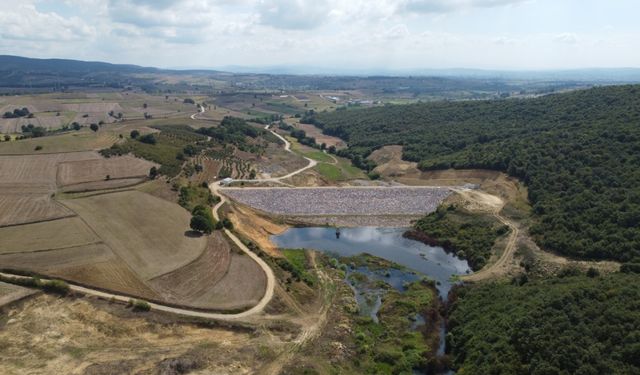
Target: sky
x,y
328,34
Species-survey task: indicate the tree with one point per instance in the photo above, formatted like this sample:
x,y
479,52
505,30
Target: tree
x,y
7,137
134,134
153,173
76,126
200,223
94,127
148,138
144,106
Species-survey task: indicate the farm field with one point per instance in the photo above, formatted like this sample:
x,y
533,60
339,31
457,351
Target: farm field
x,y
341,201
27,183
82,140
151,235
48,235
83,171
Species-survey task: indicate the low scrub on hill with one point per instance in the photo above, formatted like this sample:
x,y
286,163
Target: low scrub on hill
x,y
166,148
578,154
570,325
470,236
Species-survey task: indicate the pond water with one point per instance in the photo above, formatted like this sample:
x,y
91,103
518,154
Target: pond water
x,y
386,243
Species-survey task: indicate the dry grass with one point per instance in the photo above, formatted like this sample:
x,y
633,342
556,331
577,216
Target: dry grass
x,y
47,235
83,171
83,140
49,335
316,133
149,234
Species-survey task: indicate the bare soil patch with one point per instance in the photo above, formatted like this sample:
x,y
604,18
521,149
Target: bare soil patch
x,y
256,227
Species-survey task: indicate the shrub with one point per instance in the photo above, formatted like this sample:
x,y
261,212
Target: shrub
x,y
139,305
148,139
134,134
56,286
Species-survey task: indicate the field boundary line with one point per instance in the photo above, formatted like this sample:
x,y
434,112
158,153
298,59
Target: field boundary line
x,y
73,214
55,248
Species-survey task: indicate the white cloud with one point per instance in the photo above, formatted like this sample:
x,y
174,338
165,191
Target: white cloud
x,y
568,38
445,6
23,21
293,14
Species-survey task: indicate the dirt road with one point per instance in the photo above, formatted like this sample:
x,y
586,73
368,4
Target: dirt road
x,y
483,202
200,110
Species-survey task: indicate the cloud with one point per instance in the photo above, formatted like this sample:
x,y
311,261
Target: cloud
x,y
567,38
293,14
23,21
446,6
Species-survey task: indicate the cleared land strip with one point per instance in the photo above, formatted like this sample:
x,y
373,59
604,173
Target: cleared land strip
x,y
352,201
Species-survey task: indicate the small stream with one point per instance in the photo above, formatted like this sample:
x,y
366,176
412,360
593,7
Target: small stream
x,y
386,243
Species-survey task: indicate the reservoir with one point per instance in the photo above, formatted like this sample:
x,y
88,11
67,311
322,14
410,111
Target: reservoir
x,y
386,243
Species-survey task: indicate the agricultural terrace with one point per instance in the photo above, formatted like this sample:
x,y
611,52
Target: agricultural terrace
x,y
341,201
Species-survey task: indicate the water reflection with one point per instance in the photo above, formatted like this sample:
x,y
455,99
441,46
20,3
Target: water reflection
x,y
386,243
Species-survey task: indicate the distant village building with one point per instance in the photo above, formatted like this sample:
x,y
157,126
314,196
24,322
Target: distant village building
x,y
226,181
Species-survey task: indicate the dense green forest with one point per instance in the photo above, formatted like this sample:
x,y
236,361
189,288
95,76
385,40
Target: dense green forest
x,y
571,325
578,153
471,236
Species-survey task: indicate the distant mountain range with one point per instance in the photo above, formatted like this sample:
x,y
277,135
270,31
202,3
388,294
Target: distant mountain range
x,y
23,74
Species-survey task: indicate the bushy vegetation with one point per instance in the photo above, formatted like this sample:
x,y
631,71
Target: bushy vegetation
x,y
236,131
578,153
162,148
139,305
191,196
17,113
570,325
202,219
391,346
470,236
295,262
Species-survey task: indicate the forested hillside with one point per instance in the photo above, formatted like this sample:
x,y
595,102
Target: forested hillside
x,y
578,153
571,325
